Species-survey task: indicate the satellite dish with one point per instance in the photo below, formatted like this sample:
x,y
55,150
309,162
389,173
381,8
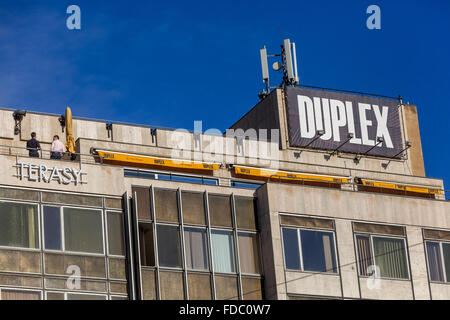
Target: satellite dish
x,y
276,66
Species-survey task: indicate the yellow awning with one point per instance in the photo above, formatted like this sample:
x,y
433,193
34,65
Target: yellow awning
x,y
263,173
403,187
142,160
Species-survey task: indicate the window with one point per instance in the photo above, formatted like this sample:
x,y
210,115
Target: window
x,y
115,233
142,200
193,206
147,251
19,225
83,231
245,185
169,253
195,248
387,254
166,205
249,255
52,227
245,213
170,177
220,210
438,254
223,251
13,294
309,250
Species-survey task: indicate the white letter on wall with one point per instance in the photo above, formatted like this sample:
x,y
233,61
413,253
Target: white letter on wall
x,y
338,117
364,124
306,115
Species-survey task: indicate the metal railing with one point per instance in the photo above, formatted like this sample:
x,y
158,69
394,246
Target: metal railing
x,y
357,187
46,154
89,158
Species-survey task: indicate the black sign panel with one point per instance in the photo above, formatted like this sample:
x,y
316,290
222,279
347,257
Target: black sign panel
x,y
336,114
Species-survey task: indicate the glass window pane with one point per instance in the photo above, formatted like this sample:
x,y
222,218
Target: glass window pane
x,y
193,206
168,246
146,246
365,259
435,261
318,251
148,284
7,294
116,241
52,228
166,205
222,250
226,287
252,289
142,201
249,256
19,225
85,296
446,258
220,210
55,296
199,285
83,231
390,257
291,249
171,285
195,248
245,213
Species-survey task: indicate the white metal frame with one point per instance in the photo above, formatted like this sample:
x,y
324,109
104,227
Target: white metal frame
x,y
300,251
372,252
441,252
38,249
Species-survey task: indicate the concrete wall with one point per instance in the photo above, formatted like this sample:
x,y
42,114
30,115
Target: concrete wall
x,y
413,135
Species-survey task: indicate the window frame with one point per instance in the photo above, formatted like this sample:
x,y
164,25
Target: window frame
x,y
65,293
106,237
205,234
40,291
245,231
40,241
372,252
233,249
441,252
300,250
63,236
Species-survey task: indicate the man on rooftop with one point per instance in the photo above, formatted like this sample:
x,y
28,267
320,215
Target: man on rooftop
x,y
57,148
33,146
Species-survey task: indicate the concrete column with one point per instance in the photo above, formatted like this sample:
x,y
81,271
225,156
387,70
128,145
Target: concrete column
x,y
347,259
418,263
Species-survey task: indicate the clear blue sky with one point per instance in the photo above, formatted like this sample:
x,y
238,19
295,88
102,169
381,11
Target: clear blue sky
x,y
167,63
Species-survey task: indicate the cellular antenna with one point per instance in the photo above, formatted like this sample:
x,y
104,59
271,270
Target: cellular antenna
x,y
265,68
287,65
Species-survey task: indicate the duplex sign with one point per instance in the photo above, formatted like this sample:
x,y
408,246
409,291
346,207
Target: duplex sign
x,y
338,114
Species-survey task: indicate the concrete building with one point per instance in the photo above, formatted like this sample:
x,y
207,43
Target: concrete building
x,y
151,213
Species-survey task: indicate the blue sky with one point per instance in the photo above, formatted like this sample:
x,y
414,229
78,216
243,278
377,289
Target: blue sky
x,y
170,63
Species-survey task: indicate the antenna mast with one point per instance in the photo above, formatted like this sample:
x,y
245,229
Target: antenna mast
x,y
288,66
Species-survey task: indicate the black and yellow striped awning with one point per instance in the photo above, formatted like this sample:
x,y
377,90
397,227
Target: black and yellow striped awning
x,y
143,160
400,187
282,175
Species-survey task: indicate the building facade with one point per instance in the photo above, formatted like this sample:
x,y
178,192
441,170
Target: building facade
x,y
282,211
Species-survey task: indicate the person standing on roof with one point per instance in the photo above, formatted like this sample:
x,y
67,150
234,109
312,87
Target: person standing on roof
x,y
57,148
33,146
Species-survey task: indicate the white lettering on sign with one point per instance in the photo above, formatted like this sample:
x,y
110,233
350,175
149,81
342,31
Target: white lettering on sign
x,y
42,173
330,115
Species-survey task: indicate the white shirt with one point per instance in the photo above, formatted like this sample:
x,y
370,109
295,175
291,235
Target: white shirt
x,y
57,146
